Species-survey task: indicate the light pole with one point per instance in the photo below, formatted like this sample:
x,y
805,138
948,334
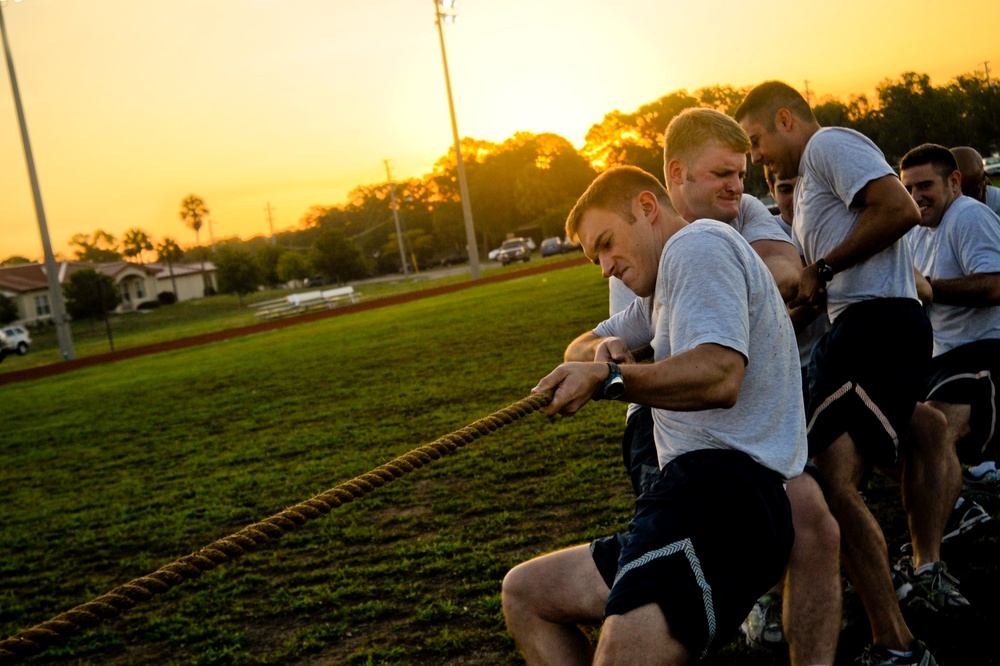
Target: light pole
x,y
470,233
395,216
51,270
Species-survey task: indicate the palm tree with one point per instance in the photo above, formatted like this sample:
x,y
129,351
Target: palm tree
x,y
168,250
193,212
135,242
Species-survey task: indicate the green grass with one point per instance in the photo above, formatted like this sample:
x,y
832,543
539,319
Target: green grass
x,y
216,313
110,472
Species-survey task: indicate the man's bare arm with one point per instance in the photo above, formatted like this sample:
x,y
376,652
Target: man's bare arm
x,y
979,290
582,348
889,212
924,291
706,377
784,263
592,347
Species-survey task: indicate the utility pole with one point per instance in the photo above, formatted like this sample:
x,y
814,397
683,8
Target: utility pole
x,y
808,96
990,90
270,221
56,303
395,216
463,187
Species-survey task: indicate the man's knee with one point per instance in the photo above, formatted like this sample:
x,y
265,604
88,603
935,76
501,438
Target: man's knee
x,y
640,636
516,587
816,530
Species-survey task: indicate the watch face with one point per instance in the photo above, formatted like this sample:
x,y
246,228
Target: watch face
x,y
825,273
614,388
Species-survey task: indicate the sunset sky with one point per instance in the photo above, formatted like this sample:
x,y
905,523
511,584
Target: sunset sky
x,y
134,104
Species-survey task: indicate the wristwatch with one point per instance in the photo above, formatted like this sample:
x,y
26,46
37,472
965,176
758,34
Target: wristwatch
x,y
824,270
614,385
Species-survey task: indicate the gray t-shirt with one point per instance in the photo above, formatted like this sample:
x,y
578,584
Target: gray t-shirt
x,y
754,222
837,164
713,288
993,198
967,241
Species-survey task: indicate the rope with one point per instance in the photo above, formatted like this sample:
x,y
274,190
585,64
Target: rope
x,y
59,629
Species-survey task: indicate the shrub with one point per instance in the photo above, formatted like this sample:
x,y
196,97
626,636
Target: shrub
x,y
148,305
167,297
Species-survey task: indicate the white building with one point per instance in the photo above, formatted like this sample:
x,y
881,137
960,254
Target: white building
x,y
137,283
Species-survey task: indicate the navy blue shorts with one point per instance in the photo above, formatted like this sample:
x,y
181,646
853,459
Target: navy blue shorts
x,y
968,375
710,536
866,376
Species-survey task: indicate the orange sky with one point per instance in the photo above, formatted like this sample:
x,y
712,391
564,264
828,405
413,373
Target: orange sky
x,y
133,104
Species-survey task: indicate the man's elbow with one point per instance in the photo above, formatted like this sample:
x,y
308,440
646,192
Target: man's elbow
x,y
726,391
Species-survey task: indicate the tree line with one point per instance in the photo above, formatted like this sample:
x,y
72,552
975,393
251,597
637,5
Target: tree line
x,y
528,183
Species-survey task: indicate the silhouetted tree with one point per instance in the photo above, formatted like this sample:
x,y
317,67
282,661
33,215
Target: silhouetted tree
x,y
135,242
169,251
100,247
336,257
90,295
237,271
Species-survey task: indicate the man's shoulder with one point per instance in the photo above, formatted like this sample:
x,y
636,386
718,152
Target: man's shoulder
x,y
839,142
993,198
971,211
703,236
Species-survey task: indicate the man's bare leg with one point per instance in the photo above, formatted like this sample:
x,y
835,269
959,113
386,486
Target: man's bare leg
x,y
932,482
812,594
865,554
544,601
640,637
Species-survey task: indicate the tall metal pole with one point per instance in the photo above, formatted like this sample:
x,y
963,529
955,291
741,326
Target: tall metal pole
x,y
395,216
463,187
51,269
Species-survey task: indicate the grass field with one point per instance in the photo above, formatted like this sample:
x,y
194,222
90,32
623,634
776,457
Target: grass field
x,y
110,472
221,312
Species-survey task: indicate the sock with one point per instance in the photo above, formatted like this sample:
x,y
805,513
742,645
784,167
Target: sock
x,y
982,468
899,653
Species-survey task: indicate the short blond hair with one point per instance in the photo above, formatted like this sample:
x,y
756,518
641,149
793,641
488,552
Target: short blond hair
x,y
614,190
692,129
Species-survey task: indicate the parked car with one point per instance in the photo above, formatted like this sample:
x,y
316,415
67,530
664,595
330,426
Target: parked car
x,y
453,259
992,166
552,246
570,246
515,249
16,338
494,254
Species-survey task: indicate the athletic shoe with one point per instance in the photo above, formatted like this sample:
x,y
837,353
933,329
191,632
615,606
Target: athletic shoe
x,y
876,655
987,485
965,517
762,628
931,590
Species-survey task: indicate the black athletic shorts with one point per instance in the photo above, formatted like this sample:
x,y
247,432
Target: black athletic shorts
x,y
639,449
968,375
866,376
709,537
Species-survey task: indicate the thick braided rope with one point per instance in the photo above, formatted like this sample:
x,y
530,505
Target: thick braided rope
x,y
59,629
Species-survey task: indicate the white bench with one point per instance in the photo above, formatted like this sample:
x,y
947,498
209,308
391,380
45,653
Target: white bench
x,y
307,301
341,294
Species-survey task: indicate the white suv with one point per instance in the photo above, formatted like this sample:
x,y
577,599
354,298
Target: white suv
x,y
17,339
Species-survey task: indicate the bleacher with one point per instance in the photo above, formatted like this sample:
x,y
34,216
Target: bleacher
x,y
310,301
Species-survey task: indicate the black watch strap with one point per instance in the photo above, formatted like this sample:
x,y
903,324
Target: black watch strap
x,y
824,271
614,385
